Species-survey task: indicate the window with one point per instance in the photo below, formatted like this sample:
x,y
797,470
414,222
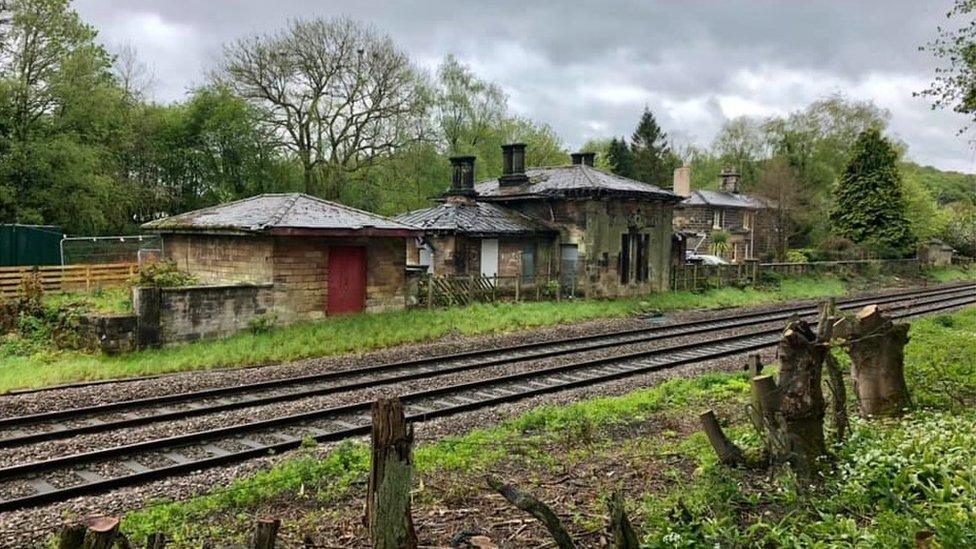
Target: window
x,y
528,262
718,217
748,219
624,266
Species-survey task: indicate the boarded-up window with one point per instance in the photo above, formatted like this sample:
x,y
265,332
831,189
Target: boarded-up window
x,y
624,266
643,252
528,262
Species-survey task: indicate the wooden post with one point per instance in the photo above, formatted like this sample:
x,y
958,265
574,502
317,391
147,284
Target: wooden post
x,y
728,453
694,277
470,289
430,291
265,534
72,537
754,366
391,475
88,280
537,509
94,533
621,531
156,541
518,281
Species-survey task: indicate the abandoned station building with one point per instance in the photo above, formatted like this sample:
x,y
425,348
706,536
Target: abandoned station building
x,y
748,220
600,233
314,257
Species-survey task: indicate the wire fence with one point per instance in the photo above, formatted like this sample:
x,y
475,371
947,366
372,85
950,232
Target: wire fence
x,y
90,250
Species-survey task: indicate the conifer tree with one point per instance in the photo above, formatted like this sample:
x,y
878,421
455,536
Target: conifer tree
x,y
620,157
653,160
868,204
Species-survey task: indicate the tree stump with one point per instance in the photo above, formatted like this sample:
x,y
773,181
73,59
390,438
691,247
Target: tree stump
x,y
801,400
622,532
537,509
156,541
877,349
265,534
390,479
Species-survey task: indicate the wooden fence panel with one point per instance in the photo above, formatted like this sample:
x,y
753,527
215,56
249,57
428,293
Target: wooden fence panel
x,y
448,291
68,277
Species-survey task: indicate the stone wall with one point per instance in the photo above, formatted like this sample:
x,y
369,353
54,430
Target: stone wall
x,y
198,312
699,219
112,334
222,259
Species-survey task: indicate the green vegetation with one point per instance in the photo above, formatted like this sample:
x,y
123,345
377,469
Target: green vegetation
x,y
39,367
102,301
890,479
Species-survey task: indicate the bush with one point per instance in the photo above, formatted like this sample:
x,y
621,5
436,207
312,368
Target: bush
x,y
262,324
164,274
798,256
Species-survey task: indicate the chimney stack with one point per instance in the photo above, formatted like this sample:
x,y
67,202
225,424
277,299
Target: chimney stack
x,y
513,165
462,177
682,181
729,180
583,158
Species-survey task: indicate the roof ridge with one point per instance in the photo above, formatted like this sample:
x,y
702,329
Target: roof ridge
x,y
348,208
282,210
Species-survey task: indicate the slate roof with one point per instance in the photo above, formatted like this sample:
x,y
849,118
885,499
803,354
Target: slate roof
x,y
474,219
569,181
282,214
724,199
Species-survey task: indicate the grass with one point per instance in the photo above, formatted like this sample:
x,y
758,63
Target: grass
x,y
361,333
101,301
889,479
951,274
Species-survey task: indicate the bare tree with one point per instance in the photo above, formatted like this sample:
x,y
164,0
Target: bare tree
x,y
134,76
780,186
336,93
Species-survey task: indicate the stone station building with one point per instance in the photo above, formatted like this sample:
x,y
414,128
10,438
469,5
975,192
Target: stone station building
x,y
610,236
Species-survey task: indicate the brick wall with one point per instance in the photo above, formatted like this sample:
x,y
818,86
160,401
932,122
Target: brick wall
x,y
699,219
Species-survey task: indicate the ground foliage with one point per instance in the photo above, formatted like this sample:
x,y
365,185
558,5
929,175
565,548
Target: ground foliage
x,y
888,481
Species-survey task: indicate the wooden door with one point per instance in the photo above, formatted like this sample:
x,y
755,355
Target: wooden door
x,y
347,280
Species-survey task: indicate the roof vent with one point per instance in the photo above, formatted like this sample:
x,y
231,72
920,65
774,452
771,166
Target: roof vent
x,y
513,165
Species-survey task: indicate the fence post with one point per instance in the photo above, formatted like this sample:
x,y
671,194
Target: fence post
x,y
694,277
518,280
88,279
388,492
470,289
430,292
265,534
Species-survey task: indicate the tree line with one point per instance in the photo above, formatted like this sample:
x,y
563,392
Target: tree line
x,y
335,108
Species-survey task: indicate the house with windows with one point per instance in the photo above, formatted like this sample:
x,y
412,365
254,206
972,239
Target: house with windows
x,y
599,233
745,222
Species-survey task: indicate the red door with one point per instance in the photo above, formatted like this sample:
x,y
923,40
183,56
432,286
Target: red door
x,y
347,280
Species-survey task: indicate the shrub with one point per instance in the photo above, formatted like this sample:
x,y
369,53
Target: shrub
x,y
163,274
797,256
262,324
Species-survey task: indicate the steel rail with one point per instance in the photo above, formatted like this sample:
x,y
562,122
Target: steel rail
x,y
672,330
683,354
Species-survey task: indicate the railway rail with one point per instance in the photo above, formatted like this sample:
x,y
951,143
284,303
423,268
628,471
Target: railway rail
x,y
57,424
40,482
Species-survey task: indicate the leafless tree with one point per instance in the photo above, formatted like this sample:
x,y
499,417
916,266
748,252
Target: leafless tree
x,y
783,189
134,76
336,93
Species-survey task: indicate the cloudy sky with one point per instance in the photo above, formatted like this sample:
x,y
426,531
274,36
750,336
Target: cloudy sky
x,y
588,69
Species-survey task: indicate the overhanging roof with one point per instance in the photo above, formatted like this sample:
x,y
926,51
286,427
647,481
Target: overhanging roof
x,y
294,214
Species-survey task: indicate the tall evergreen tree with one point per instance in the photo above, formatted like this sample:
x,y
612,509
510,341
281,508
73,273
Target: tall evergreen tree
x,y
653,159
868,205
620,157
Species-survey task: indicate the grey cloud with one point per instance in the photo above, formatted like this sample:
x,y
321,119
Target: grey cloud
x,y
683,59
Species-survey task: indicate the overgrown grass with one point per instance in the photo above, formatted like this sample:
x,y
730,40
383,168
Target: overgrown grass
x,y
368,332
951,274
891,479
101,301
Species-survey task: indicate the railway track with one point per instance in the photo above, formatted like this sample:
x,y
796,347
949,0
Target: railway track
x,y
58,424
36,483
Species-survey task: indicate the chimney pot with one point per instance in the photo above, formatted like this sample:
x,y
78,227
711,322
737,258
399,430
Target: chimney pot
x,y
583,158
462,176
589,158
513,165
577,158
729,180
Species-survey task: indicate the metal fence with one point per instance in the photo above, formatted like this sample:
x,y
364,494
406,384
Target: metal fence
x,y
700,277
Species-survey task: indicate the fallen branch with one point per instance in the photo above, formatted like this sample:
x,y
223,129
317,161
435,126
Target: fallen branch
x,y
537,509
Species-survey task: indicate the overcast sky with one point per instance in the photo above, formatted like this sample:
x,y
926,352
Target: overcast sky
x,y
588,69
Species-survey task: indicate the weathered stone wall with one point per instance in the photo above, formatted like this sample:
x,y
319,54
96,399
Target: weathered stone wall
x,y
112,334
200,312
461,256
699,219
221,259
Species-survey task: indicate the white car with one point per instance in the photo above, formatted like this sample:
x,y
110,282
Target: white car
x,y
704,259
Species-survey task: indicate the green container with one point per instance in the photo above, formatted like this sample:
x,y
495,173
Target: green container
x,y
29,245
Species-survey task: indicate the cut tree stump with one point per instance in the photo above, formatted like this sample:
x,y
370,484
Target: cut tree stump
x,y
391,476
265,534
877,349
156,541
537,509
622,532
801,400
728,453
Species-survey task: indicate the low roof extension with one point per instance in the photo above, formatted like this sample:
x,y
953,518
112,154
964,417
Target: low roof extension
x,y
578,180
283,214
724,199
478,219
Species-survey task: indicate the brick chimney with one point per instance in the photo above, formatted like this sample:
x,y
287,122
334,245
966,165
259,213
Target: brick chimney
x,y
682,181
728,180
583,158
462,178
513,165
